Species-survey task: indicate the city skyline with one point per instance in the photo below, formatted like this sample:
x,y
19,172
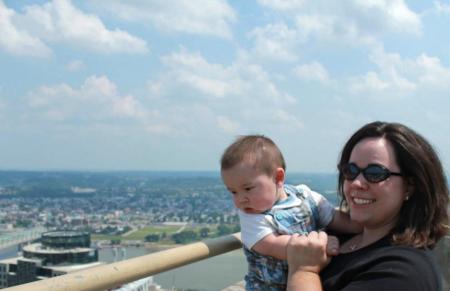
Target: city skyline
x,y
158,85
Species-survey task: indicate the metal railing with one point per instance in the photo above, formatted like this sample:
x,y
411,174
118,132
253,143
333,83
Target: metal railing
x,y
116,274
113,275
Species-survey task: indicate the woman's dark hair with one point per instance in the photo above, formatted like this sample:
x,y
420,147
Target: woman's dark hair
x,y
423,219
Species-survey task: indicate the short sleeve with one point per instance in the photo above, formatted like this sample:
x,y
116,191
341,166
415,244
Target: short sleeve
x,y
254,227
325,208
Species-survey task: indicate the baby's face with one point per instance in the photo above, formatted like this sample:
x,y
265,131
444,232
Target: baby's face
x,y
252,191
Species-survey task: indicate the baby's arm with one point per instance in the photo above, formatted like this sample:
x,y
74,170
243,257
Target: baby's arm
x,y
330,217
275,245
341,223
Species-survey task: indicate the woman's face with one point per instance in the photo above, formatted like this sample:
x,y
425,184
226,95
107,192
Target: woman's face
x,y
375,205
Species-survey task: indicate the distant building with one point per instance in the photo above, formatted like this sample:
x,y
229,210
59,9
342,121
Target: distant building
x,y
6,226
58,253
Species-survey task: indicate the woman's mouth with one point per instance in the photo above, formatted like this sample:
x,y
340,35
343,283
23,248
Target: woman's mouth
x,y
362,201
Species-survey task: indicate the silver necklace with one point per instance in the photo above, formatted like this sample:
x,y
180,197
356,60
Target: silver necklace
x,y
355,245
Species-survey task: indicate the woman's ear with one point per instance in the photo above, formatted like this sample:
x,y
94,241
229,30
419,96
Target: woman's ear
x,y
279,176
409,189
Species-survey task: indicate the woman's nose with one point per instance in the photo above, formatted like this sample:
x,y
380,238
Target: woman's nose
x,y
360,181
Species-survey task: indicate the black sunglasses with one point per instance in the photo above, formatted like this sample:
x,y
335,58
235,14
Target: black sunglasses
x,y
373,173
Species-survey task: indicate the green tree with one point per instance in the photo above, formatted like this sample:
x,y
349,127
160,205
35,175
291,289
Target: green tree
x,y
153,237
204,232
23,223
223,229
115,241
186,236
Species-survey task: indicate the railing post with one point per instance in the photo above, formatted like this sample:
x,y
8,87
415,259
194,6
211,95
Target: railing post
x,y
113,275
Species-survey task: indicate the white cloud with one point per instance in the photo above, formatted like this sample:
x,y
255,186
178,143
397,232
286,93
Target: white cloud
x,y
17,41
241,89
275,41
241,80
98,103
313,71
355,22
160,129
97,99
196,72
61,22
370,82
284,5
399,76
384,16
227,125
284,117
100,88
432,72
75,65
441,8
127,106
155,88
203,17
409,73
403,18
333,28
392,78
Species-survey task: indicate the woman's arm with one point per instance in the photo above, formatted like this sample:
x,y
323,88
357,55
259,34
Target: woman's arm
x,y
275,245
306,257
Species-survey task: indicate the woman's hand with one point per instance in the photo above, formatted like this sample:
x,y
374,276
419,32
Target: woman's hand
x,y
306,256
308,253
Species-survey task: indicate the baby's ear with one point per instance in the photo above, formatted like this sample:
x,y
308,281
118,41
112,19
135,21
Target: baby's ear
x,y
279,176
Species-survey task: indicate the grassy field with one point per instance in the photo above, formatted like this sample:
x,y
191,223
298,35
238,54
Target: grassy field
x,y
95,237
165,233
142,233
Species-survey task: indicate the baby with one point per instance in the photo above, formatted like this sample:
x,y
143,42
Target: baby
x,y
253,170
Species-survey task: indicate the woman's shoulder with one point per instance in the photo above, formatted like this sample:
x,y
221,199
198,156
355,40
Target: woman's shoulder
x,y
384,265
417,265
386,251
417,258
385,246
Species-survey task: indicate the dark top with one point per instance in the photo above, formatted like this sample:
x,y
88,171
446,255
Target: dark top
x,y
383,266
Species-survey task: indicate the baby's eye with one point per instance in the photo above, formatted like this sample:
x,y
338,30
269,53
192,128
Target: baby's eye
x,y
233,192
248,188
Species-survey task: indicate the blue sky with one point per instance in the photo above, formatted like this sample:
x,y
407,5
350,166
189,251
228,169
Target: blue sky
x,y
167,85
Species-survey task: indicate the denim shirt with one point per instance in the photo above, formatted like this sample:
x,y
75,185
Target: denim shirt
x,y
268,273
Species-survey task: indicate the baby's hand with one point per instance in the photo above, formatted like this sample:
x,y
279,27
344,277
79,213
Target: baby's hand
x,y
332,246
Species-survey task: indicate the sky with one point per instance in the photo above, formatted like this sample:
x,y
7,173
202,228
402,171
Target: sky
x,y
168,85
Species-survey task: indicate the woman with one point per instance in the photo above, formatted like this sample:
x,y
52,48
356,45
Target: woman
x,y
392,182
